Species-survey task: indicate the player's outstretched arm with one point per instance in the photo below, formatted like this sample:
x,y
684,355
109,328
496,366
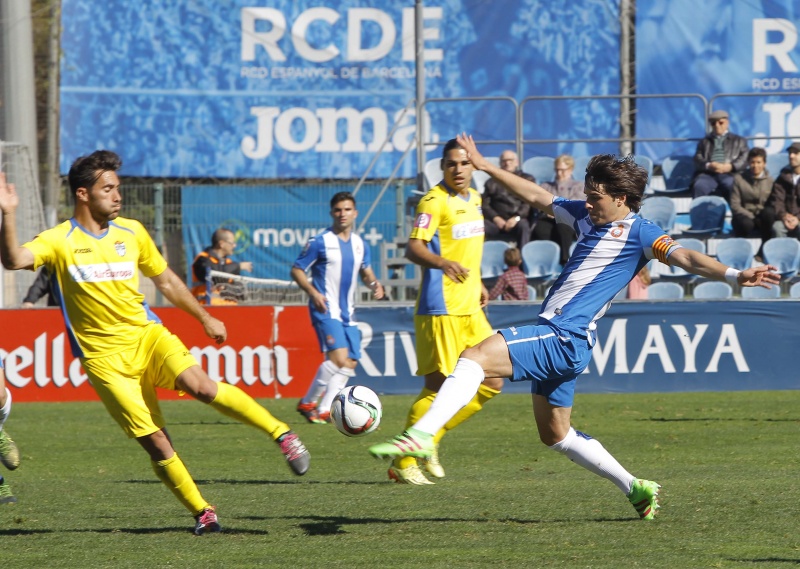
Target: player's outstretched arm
x,y
176,292
699,264
529,191
13,256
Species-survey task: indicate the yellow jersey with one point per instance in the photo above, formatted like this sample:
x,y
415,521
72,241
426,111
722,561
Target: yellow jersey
x,y
453,227
96,278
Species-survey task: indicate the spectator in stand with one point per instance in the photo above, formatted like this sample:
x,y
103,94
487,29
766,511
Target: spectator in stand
x,y
512,284
783,206
39,288
719,156
565,186
506,217
218,258
751,191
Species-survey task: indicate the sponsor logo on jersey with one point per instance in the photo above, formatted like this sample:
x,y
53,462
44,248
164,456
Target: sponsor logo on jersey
x,y
468,229
82,251
101,272
423,221
119,246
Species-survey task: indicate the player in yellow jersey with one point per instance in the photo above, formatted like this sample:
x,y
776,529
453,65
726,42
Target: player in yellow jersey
x,y
94,260
9,454
447,242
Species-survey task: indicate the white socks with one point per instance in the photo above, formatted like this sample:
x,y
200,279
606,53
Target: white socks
x,y
5,410
335,385
590,454
324,373
456,391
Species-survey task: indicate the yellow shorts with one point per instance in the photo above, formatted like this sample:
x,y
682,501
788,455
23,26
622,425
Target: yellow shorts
x,y
441,339
126,381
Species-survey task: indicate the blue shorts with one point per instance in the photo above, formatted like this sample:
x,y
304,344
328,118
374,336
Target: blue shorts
x,y
551,358
333,334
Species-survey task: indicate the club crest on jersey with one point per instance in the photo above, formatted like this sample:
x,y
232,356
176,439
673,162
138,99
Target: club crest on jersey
x,y
617,231
423,221
119,246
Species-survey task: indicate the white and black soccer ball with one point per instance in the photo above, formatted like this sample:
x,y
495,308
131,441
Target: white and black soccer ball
x,y
356,411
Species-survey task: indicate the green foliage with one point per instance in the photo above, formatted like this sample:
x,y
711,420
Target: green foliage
x,y
727,462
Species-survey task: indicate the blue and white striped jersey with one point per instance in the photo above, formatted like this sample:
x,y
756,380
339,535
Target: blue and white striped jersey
x,y
335,267
605,259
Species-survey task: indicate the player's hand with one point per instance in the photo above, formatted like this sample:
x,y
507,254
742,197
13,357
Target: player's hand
x,y
764,276
319,302
215,329
467,143
484,296
9,200
455,271
378,292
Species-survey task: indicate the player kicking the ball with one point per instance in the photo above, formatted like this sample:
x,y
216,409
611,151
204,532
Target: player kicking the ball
x,y
614,243
94,260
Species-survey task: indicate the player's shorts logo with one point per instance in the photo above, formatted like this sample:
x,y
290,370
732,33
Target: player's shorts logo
x,y
329,340
423,221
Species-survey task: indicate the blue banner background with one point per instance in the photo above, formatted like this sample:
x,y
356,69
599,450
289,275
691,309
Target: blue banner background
x,y
178,89
752,343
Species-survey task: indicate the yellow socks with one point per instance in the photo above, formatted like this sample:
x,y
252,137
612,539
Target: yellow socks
x,y
235,403
172,472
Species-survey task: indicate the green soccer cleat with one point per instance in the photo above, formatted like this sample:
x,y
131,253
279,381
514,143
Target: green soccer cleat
x,y
644,497
9,453
6,497
432,464
411,475
411,443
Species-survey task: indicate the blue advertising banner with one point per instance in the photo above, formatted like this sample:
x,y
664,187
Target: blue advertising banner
x,y
293,89
732,345
720,46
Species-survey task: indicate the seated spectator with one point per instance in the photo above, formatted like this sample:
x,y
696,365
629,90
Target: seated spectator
x,y
783,206
565,186
506,217
719,156
751,191
39,288
217,257
637,288
512,284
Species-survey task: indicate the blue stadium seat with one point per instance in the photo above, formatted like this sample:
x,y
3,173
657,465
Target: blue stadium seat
x,y
794,290
713,290
664,291
707,216
540,167
678,172
531,293
784,253
755,292
579,173
540,261
433,172
492,263
735,252
660,210
479,179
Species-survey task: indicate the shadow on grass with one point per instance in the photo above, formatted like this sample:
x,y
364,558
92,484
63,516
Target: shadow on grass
x,y
717,420
157,482
766,560
133,531
332,525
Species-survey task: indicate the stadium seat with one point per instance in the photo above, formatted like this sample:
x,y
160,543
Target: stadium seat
x,y
776,163
647,163
784,253
479,179
495,160
660,210
540,167
673,273
492,263
713,290
531,293
433,172
664,291
735,252
755,292
540,261
794,290
678,172
707,216
579,173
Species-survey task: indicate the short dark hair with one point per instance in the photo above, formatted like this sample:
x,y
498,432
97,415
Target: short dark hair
x,y
342,196
512,257
618,177
448,146
86,170
756,151
219,235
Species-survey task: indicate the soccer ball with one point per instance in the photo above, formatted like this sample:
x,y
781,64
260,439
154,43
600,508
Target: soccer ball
x,y
356,411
